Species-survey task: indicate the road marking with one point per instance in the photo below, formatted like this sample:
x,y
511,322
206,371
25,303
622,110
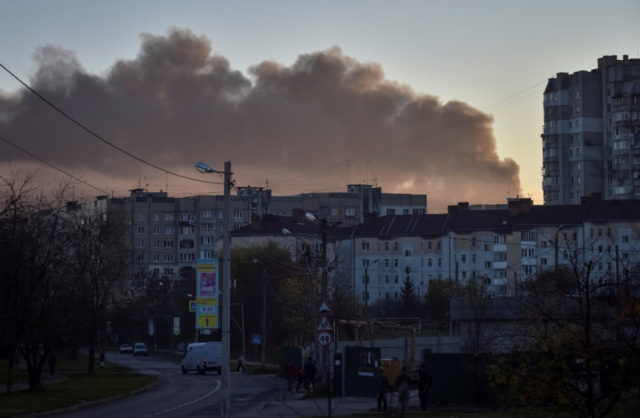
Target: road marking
x,y
187,403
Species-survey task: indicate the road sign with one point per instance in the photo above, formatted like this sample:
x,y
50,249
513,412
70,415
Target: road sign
x,y
206,313
256,339
324,338
325,325
192,305
207,321
324,308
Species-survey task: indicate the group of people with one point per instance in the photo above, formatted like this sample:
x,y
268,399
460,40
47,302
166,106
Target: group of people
x,y
403,386
306,376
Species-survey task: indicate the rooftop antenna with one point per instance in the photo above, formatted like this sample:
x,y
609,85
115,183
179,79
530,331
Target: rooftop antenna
x,y
367,172
167,183
139,175
146,185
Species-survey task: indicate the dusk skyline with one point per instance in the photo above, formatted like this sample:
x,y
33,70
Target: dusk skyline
x,y
490,70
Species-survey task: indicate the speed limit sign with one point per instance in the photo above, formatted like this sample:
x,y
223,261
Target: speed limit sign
x,y
324,338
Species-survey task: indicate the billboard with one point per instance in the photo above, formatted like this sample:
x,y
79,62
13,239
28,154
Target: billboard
x,y
207,278
207,292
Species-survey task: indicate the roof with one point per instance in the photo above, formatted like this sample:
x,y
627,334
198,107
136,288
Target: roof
x,y
273,225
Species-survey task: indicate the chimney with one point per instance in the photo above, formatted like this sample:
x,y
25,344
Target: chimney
x,y
463,206
451,209
256,221
298,215
519,206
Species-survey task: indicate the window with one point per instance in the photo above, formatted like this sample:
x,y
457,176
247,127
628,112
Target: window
x,y
365,245
386,262
429,245
487,247
185,257
206,227
156,257
168,217
237,214
500,256
140,243
487,264
429,262
156,229
187,230
395,246
407,253
473,258
463,258
386,279
395,262
350,212
168,257
625,238
186,216
207,213
405,211
543,244
464,274
396,279
206,254
168,243
407,269
439,262
140,215
391,211
543,261
168,230
156,243
141,230
140,257
168,270
156,216
206,240
386,246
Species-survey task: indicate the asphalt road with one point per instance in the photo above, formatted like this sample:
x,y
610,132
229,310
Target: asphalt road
x,y
178,395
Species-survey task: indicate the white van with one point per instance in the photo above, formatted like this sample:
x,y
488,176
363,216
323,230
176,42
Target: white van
x,y
201,357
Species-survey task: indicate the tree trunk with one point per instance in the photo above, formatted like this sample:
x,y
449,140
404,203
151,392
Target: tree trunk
x,y
10,363
35,376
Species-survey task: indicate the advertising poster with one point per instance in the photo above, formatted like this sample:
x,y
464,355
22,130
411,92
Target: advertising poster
x,y
207,278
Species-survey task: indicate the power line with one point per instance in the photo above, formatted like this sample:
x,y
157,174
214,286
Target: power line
x,y
97,136
51,165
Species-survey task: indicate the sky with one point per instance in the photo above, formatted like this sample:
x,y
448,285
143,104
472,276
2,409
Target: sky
x,y
466,75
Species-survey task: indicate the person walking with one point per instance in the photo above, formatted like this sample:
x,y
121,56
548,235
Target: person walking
x,y
403,385
290,373
241,363
310,370
102,359
424,385
383,390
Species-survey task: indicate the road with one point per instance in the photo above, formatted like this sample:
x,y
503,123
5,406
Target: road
x,y
178,395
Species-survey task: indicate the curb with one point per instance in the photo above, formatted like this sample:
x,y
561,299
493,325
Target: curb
x,y
95,402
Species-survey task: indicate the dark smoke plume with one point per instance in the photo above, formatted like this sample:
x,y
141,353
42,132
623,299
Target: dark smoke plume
x,y
295,126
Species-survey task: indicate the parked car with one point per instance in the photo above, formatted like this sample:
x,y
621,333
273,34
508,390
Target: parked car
x,y
140,349
201,357
126,348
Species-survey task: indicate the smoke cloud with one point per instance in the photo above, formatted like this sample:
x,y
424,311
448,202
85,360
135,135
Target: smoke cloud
x,y
295,126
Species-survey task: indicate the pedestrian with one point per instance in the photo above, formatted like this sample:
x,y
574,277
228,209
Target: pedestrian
x,y
424,385
102,359
383,390
290,373
301,379
310,370
241,363
403,385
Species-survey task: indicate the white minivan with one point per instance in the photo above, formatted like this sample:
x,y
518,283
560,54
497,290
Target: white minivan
x,y
201,357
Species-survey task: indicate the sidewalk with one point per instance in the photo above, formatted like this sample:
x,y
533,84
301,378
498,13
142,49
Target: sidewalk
x,y
293,404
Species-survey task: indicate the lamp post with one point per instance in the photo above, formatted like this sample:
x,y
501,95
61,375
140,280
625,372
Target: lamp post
x,y
226,282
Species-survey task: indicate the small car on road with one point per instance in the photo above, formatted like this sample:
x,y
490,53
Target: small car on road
x,y
140,349
126,348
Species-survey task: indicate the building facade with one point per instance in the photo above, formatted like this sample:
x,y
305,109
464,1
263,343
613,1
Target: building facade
x,y
167,235
591,133
498,249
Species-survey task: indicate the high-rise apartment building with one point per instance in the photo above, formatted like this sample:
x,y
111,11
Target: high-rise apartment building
x,y
591,133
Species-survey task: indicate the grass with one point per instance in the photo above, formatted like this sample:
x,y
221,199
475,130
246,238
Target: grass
x,y
18,374
79,387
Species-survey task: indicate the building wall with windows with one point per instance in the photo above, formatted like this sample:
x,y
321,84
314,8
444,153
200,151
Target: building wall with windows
x,y
591,133
497,249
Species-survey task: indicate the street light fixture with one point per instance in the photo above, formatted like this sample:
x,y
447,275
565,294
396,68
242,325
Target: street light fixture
x,y
226,282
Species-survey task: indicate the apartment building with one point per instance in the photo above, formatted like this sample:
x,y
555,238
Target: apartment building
x,y
499,248
168,234
591,133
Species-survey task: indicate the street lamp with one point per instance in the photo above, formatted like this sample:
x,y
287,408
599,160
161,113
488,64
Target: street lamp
x,y
226,282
